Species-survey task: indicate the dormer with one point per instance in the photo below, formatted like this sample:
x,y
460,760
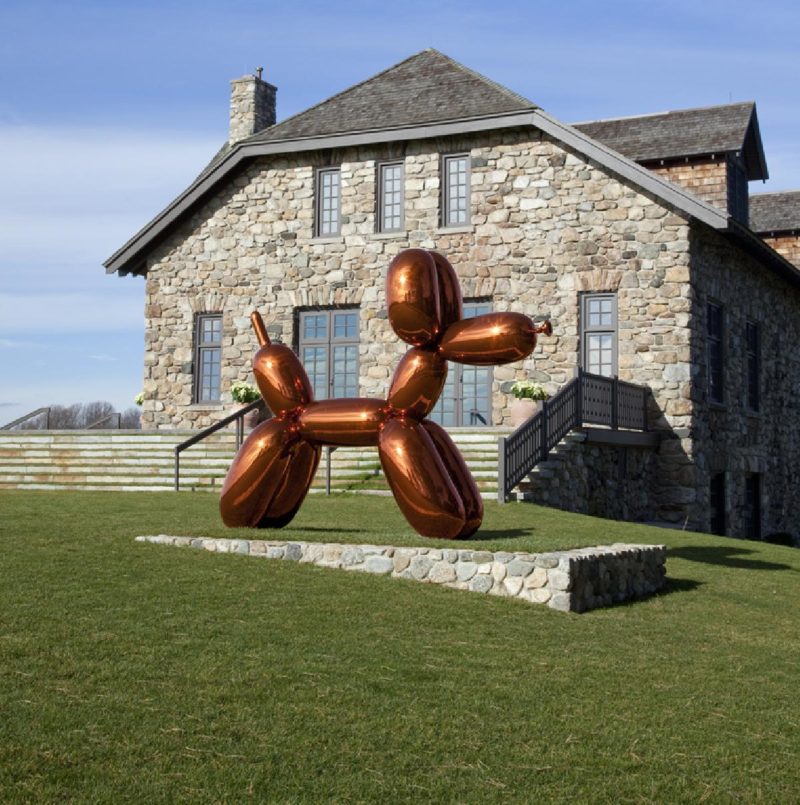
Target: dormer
x,y
714,151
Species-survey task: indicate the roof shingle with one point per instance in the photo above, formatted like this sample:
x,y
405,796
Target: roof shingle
x,y
775,212
425,88
684,133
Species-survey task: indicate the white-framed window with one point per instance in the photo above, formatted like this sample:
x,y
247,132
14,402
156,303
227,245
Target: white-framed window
x,y
455,190
599,333
207,357
390,197
328,202
328,347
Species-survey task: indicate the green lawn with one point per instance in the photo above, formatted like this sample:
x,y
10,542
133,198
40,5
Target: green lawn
x,y
142,673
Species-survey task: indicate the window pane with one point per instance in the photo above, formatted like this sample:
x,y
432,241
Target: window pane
x,y
345,325
456,191
315,326
391,212
328,202
332,366
316,364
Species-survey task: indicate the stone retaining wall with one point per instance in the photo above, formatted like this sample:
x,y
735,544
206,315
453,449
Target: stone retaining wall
x,y
571,581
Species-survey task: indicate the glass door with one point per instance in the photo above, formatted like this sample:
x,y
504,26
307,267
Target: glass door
x,y
466,400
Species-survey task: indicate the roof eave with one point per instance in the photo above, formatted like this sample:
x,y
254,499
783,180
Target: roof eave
x,y
754,245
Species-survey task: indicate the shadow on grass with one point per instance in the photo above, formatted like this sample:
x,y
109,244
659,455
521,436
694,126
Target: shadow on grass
x,y
723,555
674,585
504,533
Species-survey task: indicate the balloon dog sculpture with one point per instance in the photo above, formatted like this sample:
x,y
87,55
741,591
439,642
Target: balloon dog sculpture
x,y
271,474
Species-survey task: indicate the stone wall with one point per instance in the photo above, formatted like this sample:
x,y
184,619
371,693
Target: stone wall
x,y
619,483
571,581
546,226
730,438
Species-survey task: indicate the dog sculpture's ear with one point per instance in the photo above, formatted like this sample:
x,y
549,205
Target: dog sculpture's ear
x,y
412,297
451,308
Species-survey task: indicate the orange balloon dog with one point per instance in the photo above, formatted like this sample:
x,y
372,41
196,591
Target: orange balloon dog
x,y
271,474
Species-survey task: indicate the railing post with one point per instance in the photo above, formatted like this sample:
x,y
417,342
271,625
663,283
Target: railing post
x,y
47,419
545,446
239,431
501,469
614,397
328,451
579,400
177,469
644,409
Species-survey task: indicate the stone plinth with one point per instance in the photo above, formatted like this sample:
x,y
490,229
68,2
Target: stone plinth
x,y
571,581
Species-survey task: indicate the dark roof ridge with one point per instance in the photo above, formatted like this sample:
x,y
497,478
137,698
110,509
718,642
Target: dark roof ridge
x,y
774,193
666,112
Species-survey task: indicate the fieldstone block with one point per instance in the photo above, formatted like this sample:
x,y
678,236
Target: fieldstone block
x,y
442,572
465,570
519,567
481,584
420,565
382,565
293,552
352,556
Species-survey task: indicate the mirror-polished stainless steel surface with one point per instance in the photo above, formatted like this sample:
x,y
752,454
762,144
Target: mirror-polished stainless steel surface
x,y
273,470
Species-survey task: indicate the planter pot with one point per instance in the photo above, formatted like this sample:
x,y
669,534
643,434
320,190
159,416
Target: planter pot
x,y
251,419
522,410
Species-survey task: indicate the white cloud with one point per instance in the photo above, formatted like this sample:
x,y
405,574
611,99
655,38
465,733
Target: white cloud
x,y
102,358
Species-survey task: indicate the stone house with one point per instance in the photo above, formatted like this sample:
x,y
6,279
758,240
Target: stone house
x,y
631,235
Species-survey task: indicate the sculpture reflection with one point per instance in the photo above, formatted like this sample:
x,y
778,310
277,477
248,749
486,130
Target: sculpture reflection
x,y
272,472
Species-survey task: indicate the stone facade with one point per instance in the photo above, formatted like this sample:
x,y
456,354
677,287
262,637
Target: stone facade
x,y
729,438
570,581
547,225
619,483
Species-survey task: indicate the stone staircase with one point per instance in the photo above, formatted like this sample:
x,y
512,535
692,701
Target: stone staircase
x,y
144,461
539,483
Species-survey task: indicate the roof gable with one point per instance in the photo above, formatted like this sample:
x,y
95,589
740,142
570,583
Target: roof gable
x,y
425,88
685,133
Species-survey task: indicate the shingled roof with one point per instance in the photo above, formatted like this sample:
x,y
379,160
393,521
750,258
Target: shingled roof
x,y
425,88
685,133
775,212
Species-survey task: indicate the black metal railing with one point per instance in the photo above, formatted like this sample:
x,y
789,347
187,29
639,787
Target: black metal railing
x,y
586,399
115,417
236,417
31,415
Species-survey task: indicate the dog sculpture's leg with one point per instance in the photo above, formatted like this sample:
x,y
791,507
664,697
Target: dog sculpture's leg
x,y
460,476
419,479
271,462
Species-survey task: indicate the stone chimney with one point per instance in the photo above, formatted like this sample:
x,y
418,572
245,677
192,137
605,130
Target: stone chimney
x,y
252,106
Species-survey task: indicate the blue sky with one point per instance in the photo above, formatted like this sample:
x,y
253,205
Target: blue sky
x,y
108,110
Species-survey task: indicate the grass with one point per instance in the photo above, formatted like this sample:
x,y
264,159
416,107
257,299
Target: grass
x,y
140,673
